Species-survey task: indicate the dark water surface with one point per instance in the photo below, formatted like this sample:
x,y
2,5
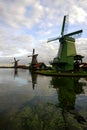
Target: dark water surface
x,y
35,102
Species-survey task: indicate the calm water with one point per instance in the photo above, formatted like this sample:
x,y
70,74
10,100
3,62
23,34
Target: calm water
x,y
35,102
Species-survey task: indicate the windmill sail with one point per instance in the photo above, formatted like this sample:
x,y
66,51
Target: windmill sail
x,y
65,25
73,34
53,39
33,51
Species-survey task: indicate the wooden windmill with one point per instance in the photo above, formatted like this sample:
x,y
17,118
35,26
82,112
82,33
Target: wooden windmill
x,y
64,61
15,63
35,65
34,59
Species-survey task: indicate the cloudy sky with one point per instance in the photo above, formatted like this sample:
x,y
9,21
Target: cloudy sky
x,y
27,24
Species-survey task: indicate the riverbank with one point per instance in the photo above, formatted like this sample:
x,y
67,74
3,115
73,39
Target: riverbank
x,y
6,66
64,74
21,66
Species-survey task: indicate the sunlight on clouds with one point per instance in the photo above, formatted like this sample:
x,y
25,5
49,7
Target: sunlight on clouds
x,y
20,52
77,14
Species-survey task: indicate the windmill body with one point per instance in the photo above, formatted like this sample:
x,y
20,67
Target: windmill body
x,y
64,61
34,59
65,57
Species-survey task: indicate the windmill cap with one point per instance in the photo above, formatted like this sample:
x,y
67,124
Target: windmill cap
x,y
67,38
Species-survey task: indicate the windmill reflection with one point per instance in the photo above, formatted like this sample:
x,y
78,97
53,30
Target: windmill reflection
x,y
67,89
34,79
15,67
15,72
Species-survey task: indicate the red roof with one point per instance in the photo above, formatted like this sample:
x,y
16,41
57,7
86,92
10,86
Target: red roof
x,y
84,65
38,64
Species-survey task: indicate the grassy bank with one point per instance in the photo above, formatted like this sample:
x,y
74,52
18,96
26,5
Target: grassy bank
x,y
53,73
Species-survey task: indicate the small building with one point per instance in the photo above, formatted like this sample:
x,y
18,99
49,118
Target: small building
x,y
40,66
84,66
78,58
77,62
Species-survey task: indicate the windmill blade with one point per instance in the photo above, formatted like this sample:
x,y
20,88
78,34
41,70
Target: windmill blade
x,y
18,60
12,62
65,25
74,34
53,39
14,59
33,51
30,56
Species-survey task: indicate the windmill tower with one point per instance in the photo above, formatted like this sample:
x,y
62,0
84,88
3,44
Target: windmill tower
x,y
64,61
34,59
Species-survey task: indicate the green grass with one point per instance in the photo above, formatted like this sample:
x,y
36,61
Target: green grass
x,y
54,73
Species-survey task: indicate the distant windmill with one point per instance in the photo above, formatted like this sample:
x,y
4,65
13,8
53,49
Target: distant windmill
x,y
65,57
15,63
34,58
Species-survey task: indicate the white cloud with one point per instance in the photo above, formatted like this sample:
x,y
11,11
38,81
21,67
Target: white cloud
x,y
26,24
78,14
28,13
46,51
21,13
81,46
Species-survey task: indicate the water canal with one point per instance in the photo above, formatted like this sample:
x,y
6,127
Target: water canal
x,y
34,102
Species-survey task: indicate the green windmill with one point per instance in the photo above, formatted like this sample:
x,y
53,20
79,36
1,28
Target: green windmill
x,y
64,61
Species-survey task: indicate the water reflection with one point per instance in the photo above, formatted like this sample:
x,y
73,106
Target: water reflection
x,y
32,75
28,103
67,89
34,79
15,72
